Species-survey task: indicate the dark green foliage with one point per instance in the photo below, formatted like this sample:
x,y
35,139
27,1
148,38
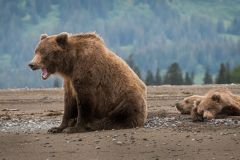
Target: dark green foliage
x,y
207,77
192,76
130,62
149,78
156,32
173,75
220,26
188,79
228,73
157,78
235,26
235,75
223,76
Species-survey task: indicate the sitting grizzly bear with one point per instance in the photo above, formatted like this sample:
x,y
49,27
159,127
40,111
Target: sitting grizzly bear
x,y
185,106
216,102
101,91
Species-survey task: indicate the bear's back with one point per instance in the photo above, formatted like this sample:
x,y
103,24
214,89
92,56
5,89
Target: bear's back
x,y
110,67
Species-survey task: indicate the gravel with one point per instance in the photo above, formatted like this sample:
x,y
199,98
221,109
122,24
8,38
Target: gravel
x,y
19,125
174,122
36,124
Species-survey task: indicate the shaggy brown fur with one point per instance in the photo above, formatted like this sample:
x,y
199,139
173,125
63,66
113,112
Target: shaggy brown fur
x,y
215,102
101,91
186,105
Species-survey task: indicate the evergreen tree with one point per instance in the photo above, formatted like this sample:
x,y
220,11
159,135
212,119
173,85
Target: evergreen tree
x,y
222,75
192,76
173,75
131,63
207,77
158,79
235,75
137,71
220,26
188,80
149,78
228,74
196,38
234,27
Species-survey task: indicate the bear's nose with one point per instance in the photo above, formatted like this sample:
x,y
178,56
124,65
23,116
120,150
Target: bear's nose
x,y
178,106
32,66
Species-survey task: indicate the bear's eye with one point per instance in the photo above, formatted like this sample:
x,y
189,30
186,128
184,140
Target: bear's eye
x,y
186,101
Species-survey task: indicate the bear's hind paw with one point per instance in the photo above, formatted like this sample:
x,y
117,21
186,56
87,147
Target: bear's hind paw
x,y
73,130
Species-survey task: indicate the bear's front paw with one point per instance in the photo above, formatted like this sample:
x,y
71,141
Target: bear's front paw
x,y
55,130
73,130
197,118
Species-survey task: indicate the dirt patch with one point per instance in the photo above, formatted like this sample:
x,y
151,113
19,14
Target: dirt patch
x,y
26,114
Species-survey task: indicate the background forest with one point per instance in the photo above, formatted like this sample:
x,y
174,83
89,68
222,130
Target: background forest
x,y
196,41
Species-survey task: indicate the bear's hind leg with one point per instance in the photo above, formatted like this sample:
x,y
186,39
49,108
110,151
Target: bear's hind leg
x,y
125,115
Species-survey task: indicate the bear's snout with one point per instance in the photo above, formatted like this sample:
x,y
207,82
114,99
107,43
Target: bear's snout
x,y
35,63
33,66
178,106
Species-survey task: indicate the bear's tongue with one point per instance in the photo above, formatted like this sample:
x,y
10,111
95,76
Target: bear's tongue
x,y
44,73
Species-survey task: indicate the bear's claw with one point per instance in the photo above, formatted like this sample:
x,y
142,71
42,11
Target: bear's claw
x,y
55,130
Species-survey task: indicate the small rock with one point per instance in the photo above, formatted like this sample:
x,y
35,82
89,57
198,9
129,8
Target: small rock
x,y
114,136
98,147
119,142
96,141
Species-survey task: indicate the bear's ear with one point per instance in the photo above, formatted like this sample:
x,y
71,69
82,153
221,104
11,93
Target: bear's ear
x,y
216,97
43,36
62,38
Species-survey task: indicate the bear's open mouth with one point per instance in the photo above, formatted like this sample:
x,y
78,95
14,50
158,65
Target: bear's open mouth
x,y
45,74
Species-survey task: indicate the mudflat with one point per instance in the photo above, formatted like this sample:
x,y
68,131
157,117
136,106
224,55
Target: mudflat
x,y
27,114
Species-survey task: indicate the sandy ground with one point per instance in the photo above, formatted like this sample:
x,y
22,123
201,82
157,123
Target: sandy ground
x,y
27,114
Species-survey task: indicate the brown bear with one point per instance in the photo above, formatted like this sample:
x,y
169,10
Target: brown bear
x,y
216,102
185,106
101,90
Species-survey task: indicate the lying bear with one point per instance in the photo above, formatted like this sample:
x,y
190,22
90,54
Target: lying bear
x,y
101,91
186,105
216,102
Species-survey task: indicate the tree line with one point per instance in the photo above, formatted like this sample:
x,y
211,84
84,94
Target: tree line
x,y
175,76
154,32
